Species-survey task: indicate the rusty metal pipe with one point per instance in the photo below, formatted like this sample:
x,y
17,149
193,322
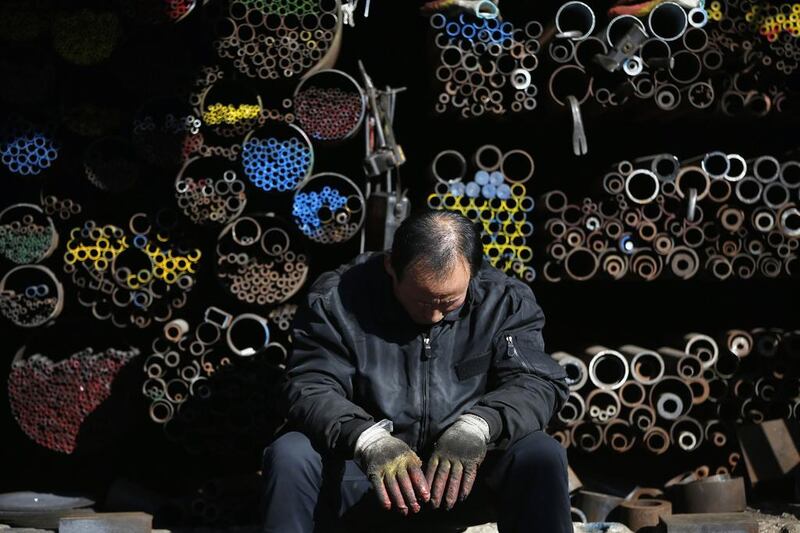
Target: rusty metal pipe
x,y
656,440
608,369
686,433
647,366
642,417
619,435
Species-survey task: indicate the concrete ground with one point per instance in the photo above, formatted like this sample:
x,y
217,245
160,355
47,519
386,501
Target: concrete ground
x,y
786,523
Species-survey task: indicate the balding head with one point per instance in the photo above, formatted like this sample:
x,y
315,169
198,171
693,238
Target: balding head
x,y
433,257
436,241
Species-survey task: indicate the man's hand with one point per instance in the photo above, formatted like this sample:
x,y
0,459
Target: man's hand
x,y
455,460
394,470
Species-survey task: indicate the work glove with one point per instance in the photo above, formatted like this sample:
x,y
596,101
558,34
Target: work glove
x,y
393,468
454,464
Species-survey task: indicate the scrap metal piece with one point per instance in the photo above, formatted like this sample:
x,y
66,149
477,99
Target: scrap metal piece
x,y
573,482
643,513
710,523
596,505
714,494
107,523
769,449
624,49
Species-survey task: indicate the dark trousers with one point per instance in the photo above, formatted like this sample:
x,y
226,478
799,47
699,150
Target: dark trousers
x,y
523,489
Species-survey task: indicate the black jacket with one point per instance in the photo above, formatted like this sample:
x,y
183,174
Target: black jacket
x,y
358,358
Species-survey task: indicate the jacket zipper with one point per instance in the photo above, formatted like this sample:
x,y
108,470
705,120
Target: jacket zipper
x,y
512,352
426,357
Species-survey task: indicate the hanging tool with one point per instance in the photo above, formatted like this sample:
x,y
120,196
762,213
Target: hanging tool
x,y
383,152
485,9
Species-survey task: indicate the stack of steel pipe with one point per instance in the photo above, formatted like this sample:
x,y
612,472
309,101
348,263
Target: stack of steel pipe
x,y
735,56
494,195
277,40
162,127
330,105
235,102
717,213
329,208
684,396
208,191
203,380
51,400
31,296
760,38
134,276
485,64
27,234
27,149
260,259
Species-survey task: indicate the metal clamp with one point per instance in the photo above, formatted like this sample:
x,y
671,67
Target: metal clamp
x,y
579,146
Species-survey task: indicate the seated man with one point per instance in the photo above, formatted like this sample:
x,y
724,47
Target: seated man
x,y
417,375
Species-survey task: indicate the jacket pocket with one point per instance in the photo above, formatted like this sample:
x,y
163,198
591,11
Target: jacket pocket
x,y
474,366
527,348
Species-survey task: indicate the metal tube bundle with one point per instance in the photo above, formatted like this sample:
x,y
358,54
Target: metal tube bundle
x,y
111,164
162,128
739,56
27,235
208,190
277,157
134,276
717,213
329,208
485,64
228,108
680,397
86,37
31,296
50,400
278,40
260,259
27,149
495,196
330,105
159,12
207,379
63,208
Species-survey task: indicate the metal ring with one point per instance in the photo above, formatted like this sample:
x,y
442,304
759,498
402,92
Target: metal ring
x,y
479,153
462,164
57,308
650,176
672,18
736,162
566,19
241,240
249,350
526,156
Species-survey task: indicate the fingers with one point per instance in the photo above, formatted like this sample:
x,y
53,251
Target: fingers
x,y
470,473
395,494
408,491
439,483
456,473
431,470
380,491
420,484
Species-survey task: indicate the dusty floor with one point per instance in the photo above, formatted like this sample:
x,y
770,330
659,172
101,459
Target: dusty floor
x,y
785,523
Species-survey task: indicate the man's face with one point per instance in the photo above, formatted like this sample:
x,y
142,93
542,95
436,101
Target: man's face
x,y
428,298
